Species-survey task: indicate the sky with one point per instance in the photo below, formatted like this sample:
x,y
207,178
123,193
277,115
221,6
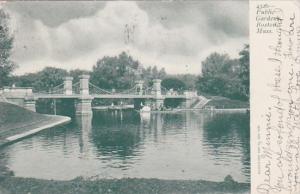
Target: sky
x,y
176,35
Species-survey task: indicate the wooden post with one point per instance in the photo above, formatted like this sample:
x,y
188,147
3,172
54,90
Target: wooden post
x,y
54,106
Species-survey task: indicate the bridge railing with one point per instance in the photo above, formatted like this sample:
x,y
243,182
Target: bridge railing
x,y
97,90
132,90
171,92
76,88
148,91
59,89
51,91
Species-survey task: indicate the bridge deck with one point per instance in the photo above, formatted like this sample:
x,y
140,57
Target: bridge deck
x,y
106,96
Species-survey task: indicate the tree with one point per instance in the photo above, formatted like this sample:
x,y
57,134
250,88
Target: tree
x,y
155,72
150,73
244,70
26,80
43,80
188,79
6,44
115,72
48,78
224,76
162,73
219,65
122,71
173,83
75,73
177,85
216,71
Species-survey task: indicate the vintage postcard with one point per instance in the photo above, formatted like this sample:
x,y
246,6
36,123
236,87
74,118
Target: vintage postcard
x,y
142,97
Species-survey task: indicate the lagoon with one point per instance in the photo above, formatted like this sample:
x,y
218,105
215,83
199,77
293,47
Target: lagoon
x,y
190,145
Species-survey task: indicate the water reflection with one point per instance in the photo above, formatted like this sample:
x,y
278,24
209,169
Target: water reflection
x,y
145,118
115,134
3,164
115,144
84,124
228,134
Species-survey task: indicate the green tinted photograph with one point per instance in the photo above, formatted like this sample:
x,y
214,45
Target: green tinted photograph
x,y
124,97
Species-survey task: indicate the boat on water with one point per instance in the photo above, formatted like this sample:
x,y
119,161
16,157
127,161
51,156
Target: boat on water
x,y
147,109
164,111
114,107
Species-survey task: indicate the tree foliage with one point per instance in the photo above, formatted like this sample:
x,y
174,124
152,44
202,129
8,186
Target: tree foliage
x,y
118,72
115,72
6,44
75,73
226,77
43,80
188,79
49,78
121,72
173,83
150,73
244,70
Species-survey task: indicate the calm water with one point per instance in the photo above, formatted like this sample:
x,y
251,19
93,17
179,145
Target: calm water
x,y
187,145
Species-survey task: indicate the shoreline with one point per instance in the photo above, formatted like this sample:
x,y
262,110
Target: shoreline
x,y
29,130
123,185
229,110
215,110
58,120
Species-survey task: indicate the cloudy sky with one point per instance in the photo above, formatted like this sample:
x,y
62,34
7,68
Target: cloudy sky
x,y
174,35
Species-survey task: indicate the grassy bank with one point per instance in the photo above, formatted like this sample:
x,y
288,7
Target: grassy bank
x,y
226,103
119,186
15,120
13,116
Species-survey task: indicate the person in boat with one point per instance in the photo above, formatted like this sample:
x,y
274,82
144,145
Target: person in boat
x,y
145,108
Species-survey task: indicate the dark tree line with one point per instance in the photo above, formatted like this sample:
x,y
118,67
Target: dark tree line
x,y
119,72
223,76
6,44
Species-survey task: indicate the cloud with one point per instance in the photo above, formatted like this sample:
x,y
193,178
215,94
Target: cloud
x,y
55,13
166,37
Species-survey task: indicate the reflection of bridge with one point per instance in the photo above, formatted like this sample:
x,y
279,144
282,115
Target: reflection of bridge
x,y
84,92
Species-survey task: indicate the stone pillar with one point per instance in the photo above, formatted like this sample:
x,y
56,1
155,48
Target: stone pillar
x,y
187,103
29,103
158,103
84,102
84,105
156,88
68,85
158,98
139,87
84,84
